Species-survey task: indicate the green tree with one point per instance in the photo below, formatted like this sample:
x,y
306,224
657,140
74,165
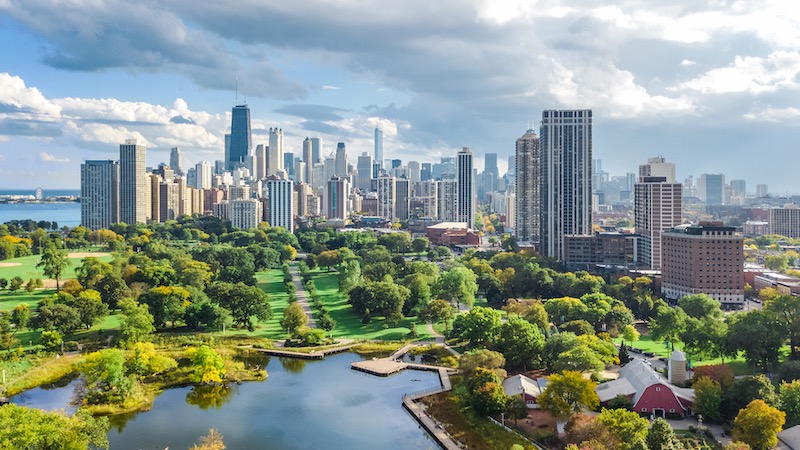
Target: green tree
x,y
244,302
15,284
90,307
349,275
787,309
481,358
381,298
53,263
565,309
420,244
699,306
106,379
34,429
778,263
7,339
479,325
708,399
628,427
166,303
758,425
21,315
112,289
789,400
668,324
327,323
745,390
59,317
458,284
92,270
438,311
516,408
763,352
629,333
661,436
207,366
568,393
293,318
136,323
488,399
521,342
50,339
705,336
580,358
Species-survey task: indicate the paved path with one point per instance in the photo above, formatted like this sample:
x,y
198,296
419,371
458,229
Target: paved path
x,y
431,330
300,294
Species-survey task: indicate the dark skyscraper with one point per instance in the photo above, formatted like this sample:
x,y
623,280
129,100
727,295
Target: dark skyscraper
x,y
241,138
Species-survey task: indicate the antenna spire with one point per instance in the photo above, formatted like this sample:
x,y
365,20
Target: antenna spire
x,y
236,99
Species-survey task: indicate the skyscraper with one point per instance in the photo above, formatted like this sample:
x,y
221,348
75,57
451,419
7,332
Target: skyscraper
x,y
527,188
288,164
711,188
490,172
132,183
275,151
402,190
175,160
379,145
337,195
203,171
309,160
447,192
465,199
99,192
387,197
260,171
413,171
364,167
566,168
657,208
280,195
341,160
316,149
241,137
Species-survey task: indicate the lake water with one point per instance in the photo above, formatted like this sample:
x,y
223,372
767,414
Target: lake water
x,y
302,405
65,214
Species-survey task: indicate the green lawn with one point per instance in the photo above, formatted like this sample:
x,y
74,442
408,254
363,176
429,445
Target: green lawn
x,y
271,281
9,300
348,324
26,267
645,343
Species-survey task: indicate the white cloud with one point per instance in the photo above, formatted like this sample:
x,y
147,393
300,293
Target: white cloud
x,y
29,100
49,157
774,115
751,74
688,63
328,87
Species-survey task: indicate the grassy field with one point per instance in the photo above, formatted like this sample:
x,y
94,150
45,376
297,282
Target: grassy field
x,y
646,344
9,300
271,282
348,324
26,267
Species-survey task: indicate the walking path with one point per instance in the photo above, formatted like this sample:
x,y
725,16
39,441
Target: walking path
x,y
431,330
302,299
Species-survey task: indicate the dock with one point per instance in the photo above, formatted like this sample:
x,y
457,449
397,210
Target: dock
x,y
317,354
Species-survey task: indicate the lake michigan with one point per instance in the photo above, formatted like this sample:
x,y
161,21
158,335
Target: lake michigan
x,y
64,213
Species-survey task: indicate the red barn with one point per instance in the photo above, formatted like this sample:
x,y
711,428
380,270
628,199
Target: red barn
x,y
650,393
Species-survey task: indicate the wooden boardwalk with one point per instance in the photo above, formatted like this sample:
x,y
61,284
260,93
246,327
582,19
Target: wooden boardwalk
x,y
319,354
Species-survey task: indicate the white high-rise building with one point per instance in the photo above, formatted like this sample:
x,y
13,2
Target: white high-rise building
x,y
245,214
280,195
203,171
527,185
426,193
341,160
657,208
379,145
465,201
364,167
308,159
132,182
337,195
99,194
413,171
316,149
275,151
261,161
447,191
387,197
566,169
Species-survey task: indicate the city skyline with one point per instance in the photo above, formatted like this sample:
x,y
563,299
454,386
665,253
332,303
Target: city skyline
x,y
724,83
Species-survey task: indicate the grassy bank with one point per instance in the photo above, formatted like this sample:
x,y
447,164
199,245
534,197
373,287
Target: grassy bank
x,y
25,267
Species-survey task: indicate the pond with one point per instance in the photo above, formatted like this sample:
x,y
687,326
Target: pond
x,y
301,405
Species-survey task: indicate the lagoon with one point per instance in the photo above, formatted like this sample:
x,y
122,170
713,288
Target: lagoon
x,y
302,405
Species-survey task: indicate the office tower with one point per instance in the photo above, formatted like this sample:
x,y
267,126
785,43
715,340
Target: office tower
x,y
132,183
99,194
300,171
657,208
785,221
262,159
396,163
387,197
447,190
316,149
426,195
739,187
711,188
241,137
226,161
703,259
154,196
280,195
511,210
245,214
302,191
175,160
318,180
377,169
762,190
308,158
379,145
288,164
527,188
490,172
169,201
413,169
338,190
364,167
219,167
402,189
275,151
465,200
426,173
566,168
341,160
203,172
238,192
512,164
191,177
448,165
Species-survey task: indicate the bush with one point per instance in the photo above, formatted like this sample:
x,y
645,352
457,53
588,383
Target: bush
x,y
50,339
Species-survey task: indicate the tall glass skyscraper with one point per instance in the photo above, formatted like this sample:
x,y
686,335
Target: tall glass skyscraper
x,y
566,167
241,137
528,180
465,199
379,145
132,183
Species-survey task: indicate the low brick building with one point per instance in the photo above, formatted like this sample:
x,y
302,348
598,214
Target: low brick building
x,y
452,233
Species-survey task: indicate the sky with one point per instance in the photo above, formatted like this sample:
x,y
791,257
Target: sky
x,y
712,86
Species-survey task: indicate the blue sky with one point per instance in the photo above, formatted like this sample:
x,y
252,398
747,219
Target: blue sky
x,y
710,85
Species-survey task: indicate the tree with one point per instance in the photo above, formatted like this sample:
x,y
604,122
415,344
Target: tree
x,y
31,428
699,306
565,309
420,244
328,258
458,284
778,263
516,408
15,284
580,358
7,339
628,427
243,302
481,358
661,436
146,361
137,321
349,275
488,399
479,325
704,336
211,441
763,352
293,318
708,399
521,342
581,428
207,366
112,289
106,380
21,315
747,389
166,303
59,317
787,308
720,373
53,263
89,306
91,270
630,334
668,324
327,323
557,344
381,298
758,425
438,311
789,400
419,286
568,393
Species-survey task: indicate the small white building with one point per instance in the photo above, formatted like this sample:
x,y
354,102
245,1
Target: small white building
x,y
528,388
